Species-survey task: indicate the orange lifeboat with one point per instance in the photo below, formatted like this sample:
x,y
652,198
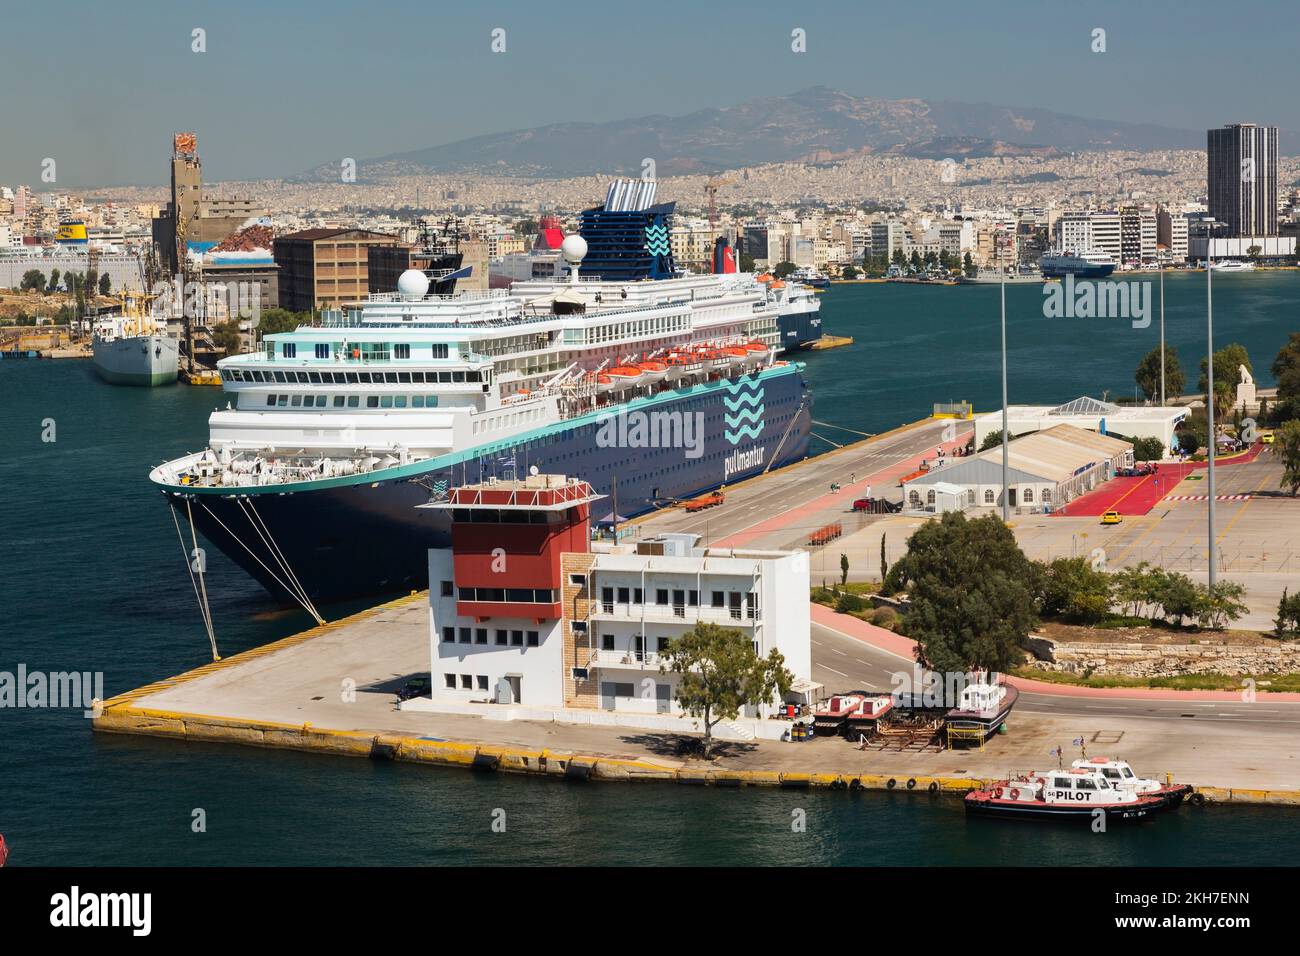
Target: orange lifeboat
x,y
624,375
653,371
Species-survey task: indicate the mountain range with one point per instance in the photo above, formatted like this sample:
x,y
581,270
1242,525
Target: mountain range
x,y
813,125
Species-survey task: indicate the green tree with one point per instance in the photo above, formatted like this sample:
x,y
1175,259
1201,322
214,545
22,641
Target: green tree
x,y
849,272
1177,596
993,440
1148,374
844,569
1074,589
746,262
969,585
1287,623
1226,362
1148,448
105,284
53,285
784,270
720,673
1221,605
1286,372
281,320
33,280
884,562
1134,590
968,266
226,337
1286,446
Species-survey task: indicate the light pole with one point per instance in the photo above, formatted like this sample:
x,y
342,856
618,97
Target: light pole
x,y
1209,392
1162,334
1006,439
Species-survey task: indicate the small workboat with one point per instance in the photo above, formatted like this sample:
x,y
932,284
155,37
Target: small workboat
x,y
983,706
861,720
831,715
1074,794
1122,777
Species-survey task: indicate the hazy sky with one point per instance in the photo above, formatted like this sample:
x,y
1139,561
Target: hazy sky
x,y
100,87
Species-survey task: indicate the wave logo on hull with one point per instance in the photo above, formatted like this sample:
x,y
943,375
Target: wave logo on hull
x,y
656,240
744,417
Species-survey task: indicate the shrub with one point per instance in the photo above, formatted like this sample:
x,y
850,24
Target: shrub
x,y
849,603
884,617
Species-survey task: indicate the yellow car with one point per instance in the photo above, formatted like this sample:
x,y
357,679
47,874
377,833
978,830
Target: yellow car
x,y
1266,437
1112,517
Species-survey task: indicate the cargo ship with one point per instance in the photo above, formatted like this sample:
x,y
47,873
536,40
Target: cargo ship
x,y
335,434
132,348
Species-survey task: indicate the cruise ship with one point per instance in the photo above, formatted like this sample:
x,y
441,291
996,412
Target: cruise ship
x,y
628,240
334,435
1084,264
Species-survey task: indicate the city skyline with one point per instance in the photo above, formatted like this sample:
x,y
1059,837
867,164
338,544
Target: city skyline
x,y
256,98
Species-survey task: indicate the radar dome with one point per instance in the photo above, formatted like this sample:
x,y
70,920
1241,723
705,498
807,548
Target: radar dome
x,y
413,283
573,248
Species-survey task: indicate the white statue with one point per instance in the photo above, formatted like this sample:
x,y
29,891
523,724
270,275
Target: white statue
x,y
1245,375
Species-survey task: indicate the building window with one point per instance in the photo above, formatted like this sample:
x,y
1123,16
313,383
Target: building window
x,y
289,350
661,595
988,496
693,599
914,498
607,642
929,497
449,635
534,639
446,589
1028,495
578,580
401,351
480,635
440,350
1046,496
481,680
662,644
516,638
501,637
638,596
449,680
464,635
466,681
719,599
322,350
624,594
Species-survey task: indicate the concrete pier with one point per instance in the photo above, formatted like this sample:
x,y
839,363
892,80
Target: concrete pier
x,y
332,688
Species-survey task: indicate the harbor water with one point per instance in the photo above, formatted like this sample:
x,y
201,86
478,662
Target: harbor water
x,y
93,579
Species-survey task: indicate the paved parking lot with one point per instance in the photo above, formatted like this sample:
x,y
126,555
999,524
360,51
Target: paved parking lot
x,y
1258,537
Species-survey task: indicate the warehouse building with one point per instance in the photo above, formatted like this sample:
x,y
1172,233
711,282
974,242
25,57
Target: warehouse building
x,y
1046,469
1106,418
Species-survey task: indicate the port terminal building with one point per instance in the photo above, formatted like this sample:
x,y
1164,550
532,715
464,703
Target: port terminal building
x,y
529,619
1046,470
1104,418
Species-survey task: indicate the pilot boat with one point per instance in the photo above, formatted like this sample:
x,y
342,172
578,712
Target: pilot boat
x,y
1122,777
1074,794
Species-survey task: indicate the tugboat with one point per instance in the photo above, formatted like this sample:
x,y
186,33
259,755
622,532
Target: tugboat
x,y
1075,794
861,720
831,715
983,707
1122,777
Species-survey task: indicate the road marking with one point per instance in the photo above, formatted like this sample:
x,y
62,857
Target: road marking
x,y
834,671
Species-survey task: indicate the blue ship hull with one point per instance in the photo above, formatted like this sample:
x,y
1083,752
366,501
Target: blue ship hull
x,y
799,330
1083,272
354,537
